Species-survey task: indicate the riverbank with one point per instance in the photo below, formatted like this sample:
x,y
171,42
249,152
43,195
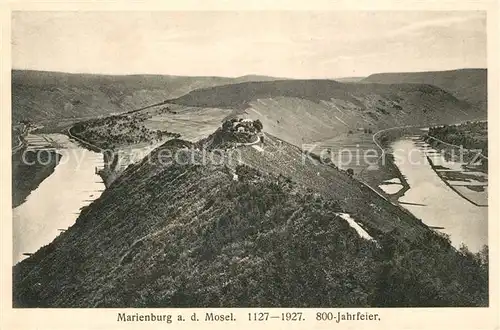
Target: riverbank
x,y
58,199
441,176
477,161
117,159
427,192
85,144
387,172
108,172
29,170
433,201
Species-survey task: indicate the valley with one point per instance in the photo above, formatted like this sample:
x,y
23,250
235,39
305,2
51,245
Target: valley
x,y
210,223
213,192
319,113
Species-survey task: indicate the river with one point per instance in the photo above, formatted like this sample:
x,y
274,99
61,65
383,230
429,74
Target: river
x,y
56,202
440,206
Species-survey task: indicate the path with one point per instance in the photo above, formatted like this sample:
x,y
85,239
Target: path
x,y
91,146
248,143
459,147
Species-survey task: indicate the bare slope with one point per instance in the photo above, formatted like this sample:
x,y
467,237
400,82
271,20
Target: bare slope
x,y
201,234
41,95
466,84
301,111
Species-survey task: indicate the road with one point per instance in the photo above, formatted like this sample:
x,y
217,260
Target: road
x,y
458,147
93,147
374,136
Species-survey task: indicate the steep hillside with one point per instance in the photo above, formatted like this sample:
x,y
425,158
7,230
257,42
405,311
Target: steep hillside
x,y
302,111
41,95
202,232
466,84
29,169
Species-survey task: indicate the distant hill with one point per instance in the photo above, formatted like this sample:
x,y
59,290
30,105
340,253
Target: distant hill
x,y
301,111
349,79
266,231
465,84
42,95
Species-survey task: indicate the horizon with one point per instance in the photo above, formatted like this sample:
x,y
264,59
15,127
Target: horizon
x,y
244,75
295,45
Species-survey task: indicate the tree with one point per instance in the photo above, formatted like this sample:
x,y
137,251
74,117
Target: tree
x,y
258,125
227,125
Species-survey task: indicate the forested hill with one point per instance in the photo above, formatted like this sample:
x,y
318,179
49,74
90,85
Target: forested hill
x,y
43,95
465,84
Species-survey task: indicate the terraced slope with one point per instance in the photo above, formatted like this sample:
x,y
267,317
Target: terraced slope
x,y
300,111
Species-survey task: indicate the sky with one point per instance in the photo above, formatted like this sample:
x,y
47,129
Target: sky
x,y
324,44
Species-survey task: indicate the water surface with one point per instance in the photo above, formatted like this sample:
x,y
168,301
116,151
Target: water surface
x,y
56,202
442,207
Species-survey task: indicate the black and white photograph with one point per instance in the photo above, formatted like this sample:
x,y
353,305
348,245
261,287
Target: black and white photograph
x,y
249,159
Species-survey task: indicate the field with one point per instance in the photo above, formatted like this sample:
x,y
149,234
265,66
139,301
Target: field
x,y
355,150
191,123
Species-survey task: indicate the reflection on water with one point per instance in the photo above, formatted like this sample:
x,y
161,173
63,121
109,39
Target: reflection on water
x,y
391,188
463,221
56,203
